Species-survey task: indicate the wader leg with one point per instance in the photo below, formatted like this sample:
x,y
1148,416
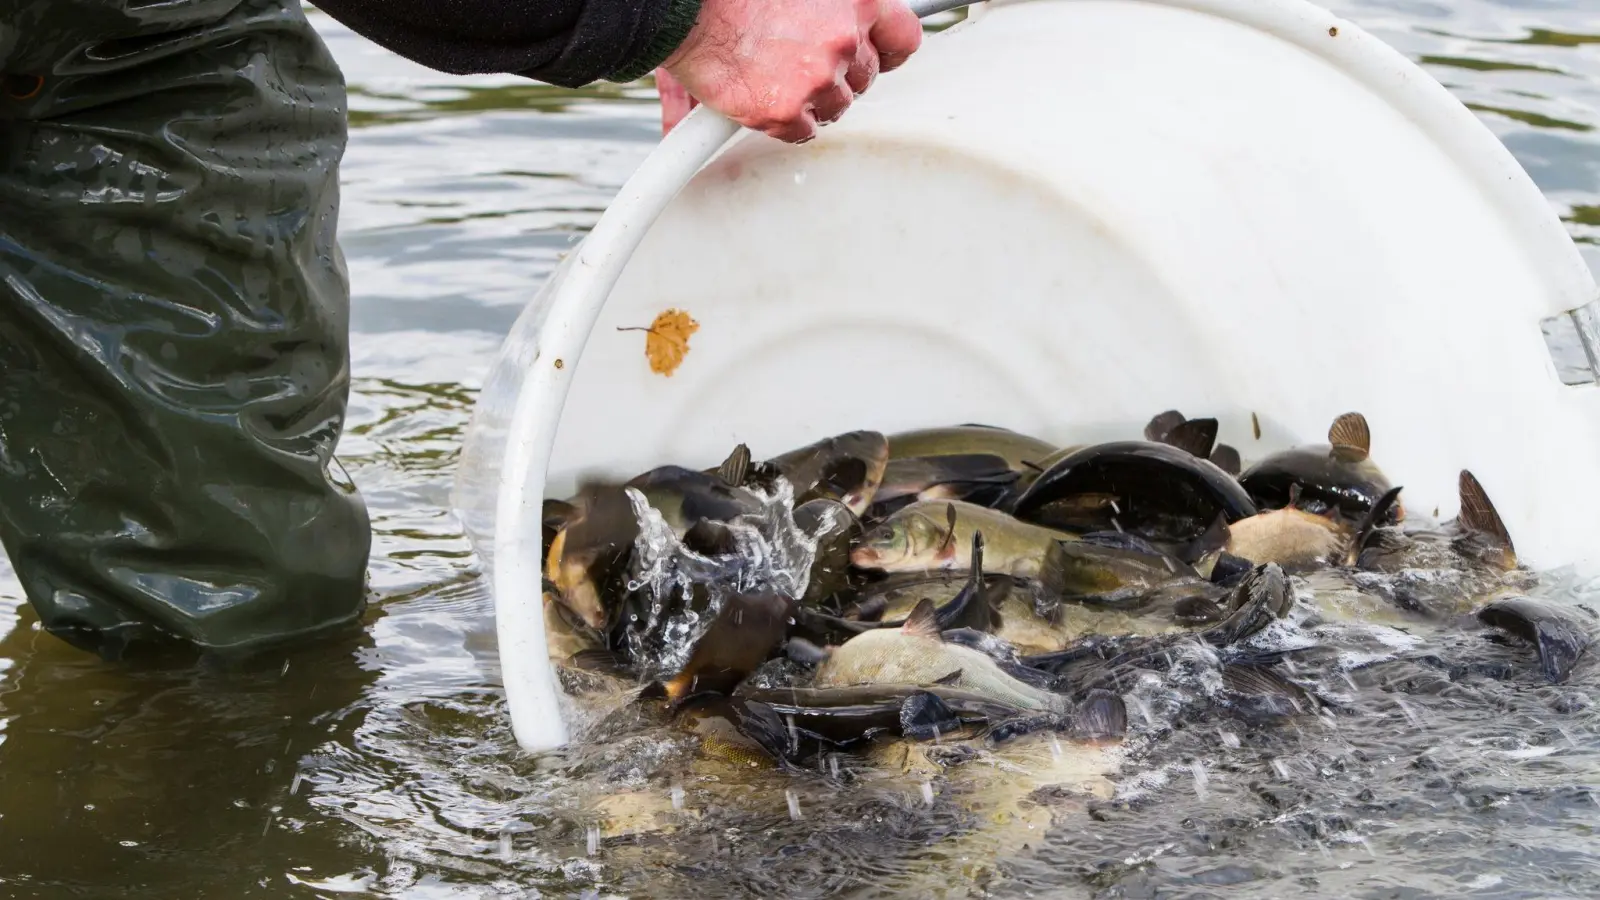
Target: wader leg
x,y
174,362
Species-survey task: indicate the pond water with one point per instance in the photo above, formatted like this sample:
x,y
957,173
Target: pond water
x,y
385,767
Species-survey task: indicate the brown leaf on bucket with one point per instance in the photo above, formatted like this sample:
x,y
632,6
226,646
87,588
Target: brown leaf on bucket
x,y
668,340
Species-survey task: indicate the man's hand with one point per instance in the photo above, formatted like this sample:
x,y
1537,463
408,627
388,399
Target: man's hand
x,y
785,66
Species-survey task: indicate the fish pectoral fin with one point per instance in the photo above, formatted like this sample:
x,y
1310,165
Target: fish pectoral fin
x,y
949,680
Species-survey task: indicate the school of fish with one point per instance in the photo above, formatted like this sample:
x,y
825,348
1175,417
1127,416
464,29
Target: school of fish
x,y
972,583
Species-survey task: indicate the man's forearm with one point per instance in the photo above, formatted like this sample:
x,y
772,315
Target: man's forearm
x,y
568,43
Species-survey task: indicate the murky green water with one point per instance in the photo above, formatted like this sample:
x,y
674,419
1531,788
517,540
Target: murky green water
x,y
388,768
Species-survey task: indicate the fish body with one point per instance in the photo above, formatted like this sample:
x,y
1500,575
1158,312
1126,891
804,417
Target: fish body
x,y
1159,491
847,468
1290,537
1017,449
922,538
916,654
1339,475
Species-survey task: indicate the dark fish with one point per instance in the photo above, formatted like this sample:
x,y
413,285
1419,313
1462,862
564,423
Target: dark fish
x,y
1339,475
975,607
587,560
810,720
1474,552
980,478
837,530
847,468
1017,449
1560,635
1154,489
748,630
1113,661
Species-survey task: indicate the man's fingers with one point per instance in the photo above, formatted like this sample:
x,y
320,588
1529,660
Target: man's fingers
x,y
795,131
829,104
864,69
896,34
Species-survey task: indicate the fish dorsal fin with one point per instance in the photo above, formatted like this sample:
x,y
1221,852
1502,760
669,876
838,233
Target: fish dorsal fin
x,y
950,679
923,621
1195,437
1350,437
1227,459
736,468
1478,515
976,578
1215,537
1163,423
1370,522
1294,494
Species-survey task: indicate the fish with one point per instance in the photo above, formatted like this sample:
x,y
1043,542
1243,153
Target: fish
x,y
587,559
981,478
1017,449
1103,660
932,536
1560,635
976,606
847,467
1153,489
836,530
1300,541
746,632
917,654
1448,569
1339,475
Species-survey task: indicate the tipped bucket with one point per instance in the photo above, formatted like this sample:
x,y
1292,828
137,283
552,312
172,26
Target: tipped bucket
x,y
1063,216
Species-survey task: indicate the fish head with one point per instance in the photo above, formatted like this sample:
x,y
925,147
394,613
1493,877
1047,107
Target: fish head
x,y
906,541
848,468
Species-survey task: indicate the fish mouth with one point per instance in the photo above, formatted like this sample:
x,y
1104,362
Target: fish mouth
x,y
866,557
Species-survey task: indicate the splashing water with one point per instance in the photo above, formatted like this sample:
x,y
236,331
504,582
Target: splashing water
x,y
685,590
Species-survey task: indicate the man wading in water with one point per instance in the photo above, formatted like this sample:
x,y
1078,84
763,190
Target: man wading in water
x,y
174,310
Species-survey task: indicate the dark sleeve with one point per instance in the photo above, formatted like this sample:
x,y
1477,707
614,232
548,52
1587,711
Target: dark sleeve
x,y
568,43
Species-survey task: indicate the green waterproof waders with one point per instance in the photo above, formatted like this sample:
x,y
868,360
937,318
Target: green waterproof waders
x,y
174,311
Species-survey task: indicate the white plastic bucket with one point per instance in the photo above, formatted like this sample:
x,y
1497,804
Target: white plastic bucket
x,y
1064,216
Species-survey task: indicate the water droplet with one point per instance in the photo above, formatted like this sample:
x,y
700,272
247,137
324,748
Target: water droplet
x,y
927,793
128,843
594,839
1281,767
800,177
794,804
1229,739
505,847
677,797
1055,747
294,786
89,806
285,670
1198,768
